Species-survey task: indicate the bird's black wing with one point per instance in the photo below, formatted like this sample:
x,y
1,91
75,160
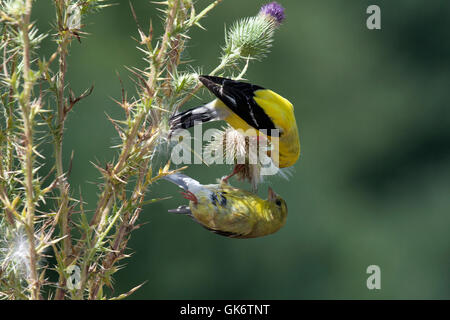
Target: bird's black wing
x,y
238,96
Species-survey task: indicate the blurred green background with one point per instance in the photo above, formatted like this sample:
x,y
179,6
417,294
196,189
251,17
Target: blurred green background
x,y
372,185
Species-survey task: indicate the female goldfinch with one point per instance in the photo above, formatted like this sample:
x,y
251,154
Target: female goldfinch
x,y
229,211
246,106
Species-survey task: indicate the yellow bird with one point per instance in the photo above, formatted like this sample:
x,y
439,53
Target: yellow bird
x,y
246,106
229,211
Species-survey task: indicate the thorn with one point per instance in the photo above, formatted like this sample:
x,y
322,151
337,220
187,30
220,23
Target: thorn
x,y
124,97
69,171
135,17
73,100
150,31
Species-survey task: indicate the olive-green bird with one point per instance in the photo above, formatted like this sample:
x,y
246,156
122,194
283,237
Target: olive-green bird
x,y
230,211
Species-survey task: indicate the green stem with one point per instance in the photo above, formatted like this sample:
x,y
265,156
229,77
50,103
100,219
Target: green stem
x,y
64,39
27,115
63,185
206,10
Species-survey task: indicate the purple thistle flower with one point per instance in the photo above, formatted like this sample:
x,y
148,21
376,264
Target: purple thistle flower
x,y
274,10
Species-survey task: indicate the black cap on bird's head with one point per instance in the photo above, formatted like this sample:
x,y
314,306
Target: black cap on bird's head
x,y
213,84
217,85
211,79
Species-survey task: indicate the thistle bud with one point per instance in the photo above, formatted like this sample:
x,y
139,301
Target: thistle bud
x,y
251,38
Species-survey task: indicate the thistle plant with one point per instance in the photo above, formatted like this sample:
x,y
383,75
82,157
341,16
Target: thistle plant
x,y
247,153
41,218
252,37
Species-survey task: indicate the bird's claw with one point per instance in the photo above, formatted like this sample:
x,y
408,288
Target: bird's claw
x,y
237,169
190,196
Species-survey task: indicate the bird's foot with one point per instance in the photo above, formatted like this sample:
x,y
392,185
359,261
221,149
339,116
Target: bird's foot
x,y
237,168
190,196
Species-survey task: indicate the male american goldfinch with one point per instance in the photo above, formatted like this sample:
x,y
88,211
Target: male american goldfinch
x,y
229,211
246,106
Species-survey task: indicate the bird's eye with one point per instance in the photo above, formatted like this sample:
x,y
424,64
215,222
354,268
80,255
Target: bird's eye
x,y
278,202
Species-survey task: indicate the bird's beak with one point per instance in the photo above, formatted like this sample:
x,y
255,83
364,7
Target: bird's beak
x,y
272,195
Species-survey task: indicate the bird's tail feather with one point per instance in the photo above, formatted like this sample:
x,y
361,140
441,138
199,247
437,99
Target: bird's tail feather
x,y
183,181
188,118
